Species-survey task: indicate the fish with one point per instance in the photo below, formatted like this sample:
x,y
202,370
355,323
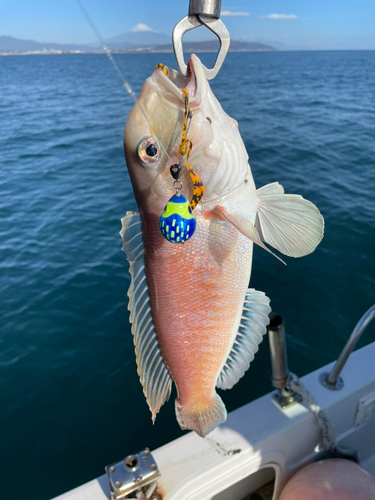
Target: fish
x,y
195,321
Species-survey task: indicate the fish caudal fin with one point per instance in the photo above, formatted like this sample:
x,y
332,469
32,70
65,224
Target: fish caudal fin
x,y
288,222
153,374
202,418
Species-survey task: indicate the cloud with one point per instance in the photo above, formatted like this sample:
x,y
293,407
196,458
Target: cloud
x,y
142,27
229,13
279,16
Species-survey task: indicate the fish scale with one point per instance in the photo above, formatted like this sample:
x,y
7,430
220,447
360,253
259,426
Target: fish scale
x,y
182,315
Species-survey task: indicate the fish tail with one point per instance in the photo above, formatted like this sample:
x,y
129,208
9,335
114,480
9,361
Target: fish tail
x,y
201,418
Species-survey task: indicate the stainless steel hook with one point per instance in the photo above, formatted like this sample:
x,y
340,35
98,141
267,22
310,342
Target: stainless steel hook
x,y
202,13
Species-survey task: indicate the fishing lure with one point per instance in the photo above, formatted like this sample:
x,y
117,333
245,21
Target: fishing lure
x,y
177,223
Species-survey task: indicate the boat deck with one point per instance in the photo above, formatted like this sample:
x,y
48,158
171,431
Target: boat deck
x,y
261,445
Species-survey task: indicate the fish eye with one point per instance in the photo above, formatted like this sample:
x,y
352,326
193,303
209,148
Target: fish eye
x,y
149,151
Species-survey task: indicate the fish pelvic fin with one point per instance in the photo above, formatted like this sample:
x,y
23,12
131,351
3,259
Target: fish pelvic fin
x,y
288,222
253,326
201,417
153,374
244,226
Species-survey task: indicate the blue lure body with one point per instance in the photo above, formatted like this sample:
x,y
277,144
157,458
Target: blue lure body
x,y
177,223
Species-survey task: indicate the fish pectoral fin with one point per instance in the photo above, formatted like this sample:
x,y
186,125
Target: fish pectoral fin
x,y
244,226
153,374
253,325
288,222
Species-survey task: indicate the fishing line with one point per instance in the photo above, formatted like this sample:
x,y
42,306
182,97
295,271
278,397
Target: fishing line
x,y
119,72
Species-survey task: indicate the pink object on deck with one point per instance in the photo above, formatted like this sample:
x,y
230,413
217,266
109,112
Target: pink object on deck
x,y
331,479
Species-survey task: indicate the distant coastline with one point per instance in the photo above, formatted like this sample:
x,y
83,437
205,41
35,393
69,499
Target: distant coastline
x,y
10,46
141,39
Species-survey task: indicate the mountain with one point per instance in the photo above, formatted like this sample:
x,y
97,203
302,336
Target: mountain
x,y
323,42
209,46
280,45
10,44
137,39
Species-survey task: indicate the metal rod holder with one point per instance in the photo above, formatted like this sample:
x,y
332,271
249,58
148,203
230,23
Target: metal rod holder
x,y
279,363
333,381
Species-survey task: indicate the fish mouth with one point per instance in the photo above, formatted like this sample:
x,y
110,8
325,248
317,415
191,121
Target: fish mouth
x,y
173,82
194,74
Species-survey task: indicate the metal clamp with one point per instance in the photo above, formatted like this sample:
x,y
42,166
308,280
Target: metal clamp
x,y
210,8
134,477
202,13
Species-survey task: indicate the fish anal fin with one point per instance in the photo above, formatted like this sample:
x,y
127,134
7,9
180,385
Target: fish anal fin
x,y
153,374
244,226
288,222
253,326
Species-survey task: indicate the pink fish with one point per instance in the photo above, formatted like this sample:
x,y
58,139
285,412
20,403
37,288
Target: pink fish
x,y
194,320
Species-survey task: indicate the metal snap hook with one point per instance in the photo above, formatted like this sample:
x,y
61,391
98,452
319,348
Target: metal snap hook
x,y
216,26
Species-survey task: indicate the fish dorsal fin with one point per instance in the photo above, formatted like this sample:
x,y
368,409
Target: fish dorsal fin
x,y
252,327
153,374
244,226
288,222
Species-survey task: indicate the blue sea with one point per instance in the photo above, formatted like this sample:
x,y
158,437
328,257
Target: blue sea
x,y
70,399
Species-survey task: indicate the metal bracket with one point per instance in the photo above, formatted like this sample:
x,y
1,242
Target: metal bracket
x,y
284,399
337,386
216,26
134,477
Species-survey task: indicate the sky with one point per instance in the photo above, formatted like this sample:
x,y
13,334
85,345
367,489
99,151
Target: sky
x,y
315,23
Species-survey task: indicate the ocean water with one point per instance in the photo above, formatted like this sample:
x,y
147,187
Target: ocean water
x,y
70,400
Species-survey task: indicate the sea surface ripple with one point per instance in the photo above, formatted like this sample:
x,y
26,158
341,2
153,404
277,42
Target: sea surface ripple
x,y
70,398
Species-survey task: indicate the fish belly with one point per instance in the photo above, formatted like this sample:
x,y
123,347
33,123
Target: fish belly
x,y
196,292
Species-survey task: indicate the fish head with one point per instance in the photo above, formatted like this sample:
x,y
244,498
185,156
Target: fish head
x,y
153,134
